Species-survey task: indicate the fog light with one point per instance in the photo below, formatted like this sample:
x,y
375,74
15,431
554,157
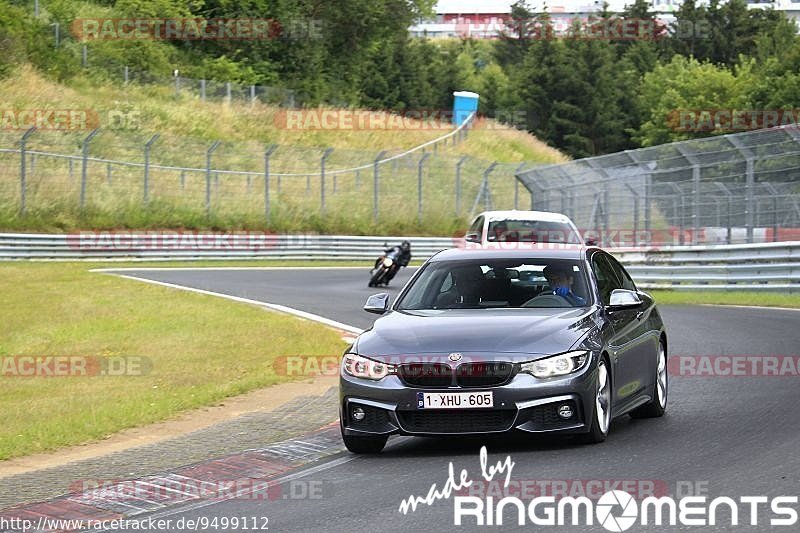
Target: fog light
x,y
358,414
565,411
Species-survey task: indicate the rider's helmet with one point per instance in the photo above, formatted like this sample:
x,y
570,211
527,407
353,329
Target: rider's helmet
x,y
405,246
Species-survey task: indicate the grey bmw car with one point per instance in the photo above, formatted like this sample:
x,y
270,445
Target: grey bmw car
x,y
557,339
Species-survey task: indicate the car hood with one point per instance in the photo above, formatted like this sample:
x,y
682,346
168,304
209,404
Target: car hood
x,y
503,334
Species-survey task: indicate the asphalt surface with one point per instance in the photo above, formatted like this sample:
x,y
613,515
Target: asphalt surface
x,y
722,436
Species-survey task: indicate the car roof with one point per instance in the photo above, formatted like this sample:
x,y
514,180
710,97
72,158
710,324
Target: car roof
x,y
538,251
546,216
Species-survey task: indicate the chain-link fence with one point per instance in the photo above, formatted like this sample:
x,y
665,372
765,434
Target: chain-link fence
x,y
122,179
735,188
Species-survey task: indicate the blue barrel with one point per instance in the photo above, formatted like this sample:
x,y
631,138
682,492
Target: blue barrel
x,y
464,104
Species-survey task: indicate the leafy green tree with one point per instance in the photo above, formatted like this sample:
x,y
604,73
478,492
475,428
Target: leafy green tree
x,y
672,94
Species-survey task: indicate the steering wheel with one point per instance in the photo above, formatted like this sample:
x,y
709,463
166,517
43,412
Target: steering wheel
x,y
547,300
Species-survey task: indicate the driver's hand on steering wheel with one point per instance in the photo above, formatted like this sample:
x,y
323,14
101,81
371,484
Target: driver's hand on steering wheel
x,y
566,291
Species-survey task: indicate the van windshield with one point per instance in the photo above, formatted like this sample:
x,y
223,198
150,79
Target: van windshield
x,y
509,230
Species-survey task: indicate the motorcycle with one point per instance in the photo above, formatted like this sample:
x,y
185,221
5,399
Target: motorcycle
x,y
386,270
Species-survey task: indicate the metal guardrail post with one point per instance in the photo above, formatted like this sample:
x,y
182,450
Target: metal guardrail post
x,y
322,162
23,186
420,171
267,155
147,146
85,164
376,184
458,183
209,152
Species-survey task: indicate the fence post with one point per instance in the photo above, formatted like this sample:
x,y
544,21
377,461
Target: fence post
x,y
147,147
183,179
635,213
125,74
750,198
267,155
210,151
57,33
458,183
322,161
252,95
108,173
22,145
71,168
420,171
177,83
516,185
85,164
375,183
228,92
774,196
485,191
203,90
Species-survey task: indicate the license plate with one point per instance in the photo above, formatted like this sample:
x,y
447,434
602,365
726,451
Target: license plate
x,y
454,400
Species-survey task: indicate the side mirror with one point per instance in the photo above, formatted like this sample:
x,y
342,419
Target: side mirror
x,y
591,242
472,237
623,299
377,303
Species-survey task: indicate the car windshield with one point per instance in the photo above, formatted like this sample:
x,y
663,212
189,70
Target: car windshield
x,y
482,284
509,230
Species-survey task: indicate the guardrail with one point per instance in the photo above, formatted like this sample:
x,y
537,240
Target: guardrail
x,y
762,267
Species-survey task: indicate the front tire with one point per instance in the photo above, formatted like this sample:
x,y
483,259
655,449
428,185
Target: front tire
x,y
376,278
601,419
361,445
656,407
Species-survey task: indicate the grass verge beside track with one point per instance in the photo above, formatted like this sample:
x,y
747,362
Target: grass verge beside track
x,y
202,350
759,299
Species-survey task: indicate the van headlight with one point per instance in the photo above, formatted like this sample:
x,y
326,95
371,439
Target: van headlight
x,y
361,367
558,365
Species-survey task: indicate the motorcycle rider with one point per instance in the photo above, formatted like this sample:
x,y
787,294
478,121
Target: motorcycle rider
x,y
402,260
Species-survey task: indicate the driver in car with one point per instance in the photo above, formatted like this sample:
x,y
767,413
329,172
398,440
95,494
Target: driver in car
x,y
561,280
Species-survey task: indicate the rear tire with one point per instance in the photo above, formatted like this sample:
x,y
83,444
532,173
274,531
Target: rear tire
x,y
363,445
656,407
601,418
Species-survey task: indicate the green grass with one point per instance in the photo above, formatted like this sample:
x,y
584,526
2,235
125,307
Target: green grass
x,y
202,349
764,299
189,126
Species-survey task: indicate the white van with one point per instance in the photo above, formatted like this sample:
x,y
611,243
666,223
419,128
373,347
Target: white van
x,y
523,226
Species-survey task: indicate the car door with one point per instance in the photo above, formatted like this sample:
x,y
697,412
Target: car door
x,y
621,345
641,336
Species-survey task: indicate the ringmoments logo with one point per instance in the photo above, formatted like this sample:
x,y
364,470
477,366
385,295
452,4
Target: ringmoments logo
x,y
615,510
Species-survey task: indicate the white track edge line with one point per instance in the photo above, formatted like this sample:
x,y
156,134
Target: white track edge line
x,y
275,307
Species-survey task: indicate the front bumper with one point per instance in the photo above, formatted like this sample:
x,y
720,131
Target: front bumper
x,y
524,404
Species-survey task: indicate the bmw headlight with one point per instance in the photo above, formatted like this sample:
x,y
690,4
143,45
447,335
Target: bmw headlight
x,y
387,262
361,367
558,365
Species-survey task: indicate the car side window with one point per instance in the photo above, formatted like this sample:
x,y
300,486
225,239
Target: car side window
x,y
477,226
606,277
623,276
